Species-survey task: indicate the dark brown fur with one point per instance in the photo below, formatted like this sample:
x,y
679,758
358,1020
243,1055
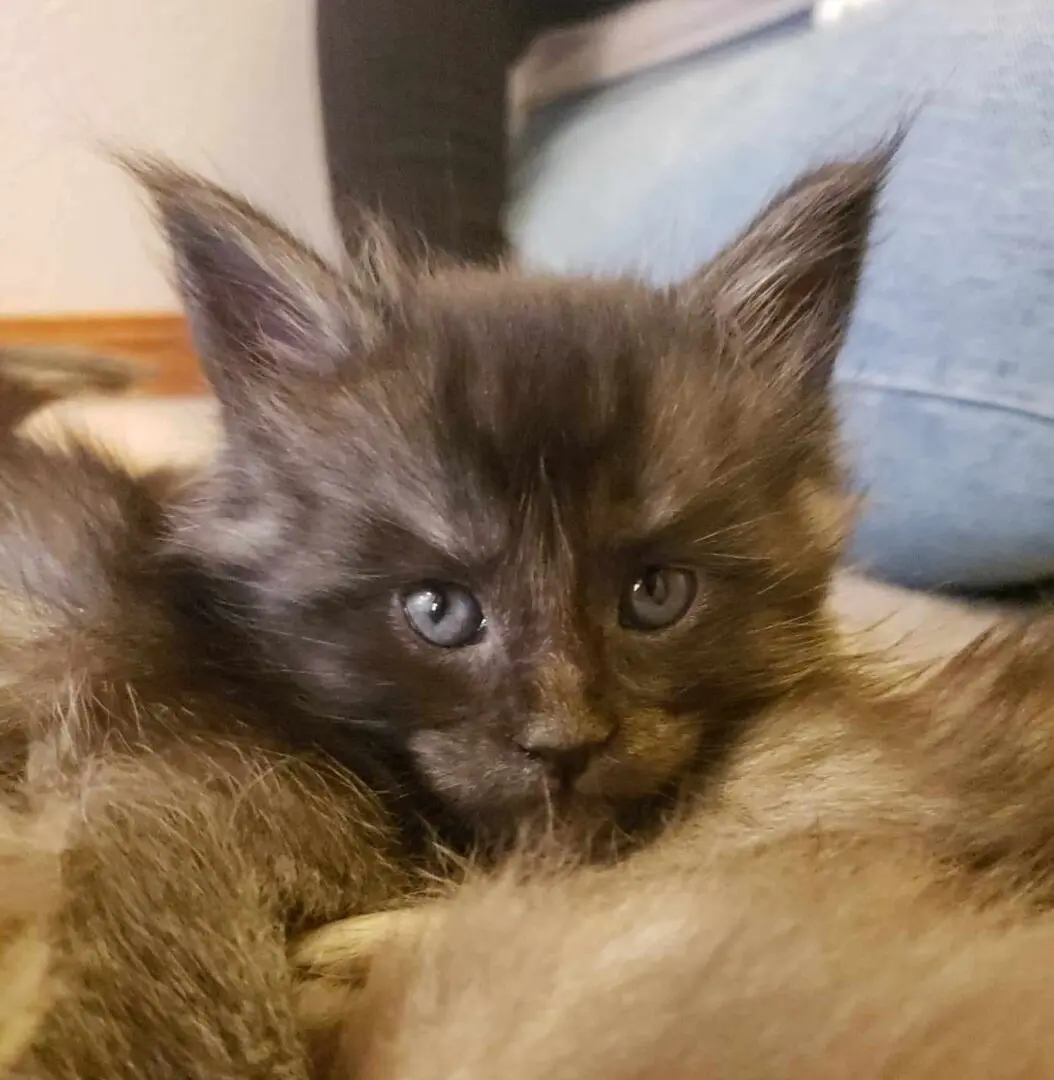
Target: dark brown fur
x,y
228,650
538,442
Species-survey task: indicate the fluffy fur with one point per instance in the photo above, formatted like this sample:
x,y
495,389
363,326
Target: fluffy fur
x,y
540,444
177,895
227,682
194,840
807,914
32,842
30,852
794,964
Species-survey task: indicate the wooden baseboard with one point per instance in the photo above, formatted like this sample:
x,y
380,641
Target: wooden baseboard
x,y
159,340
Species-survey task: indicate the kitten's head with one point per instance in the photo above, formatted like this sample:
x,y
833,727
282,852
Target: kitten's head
x,y
555,536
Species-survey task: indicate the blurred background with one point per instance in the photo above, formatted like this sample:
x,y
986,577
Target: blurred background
x,y
229,88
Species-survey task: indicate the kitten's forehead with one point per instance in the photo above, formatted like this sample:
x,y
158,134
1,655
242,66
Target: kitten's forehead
x,y
509,398
549,335
543,367
544,386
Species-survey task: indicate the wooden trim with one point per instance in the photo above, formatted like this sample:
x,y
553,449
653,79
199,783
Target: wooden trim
x,y
158,339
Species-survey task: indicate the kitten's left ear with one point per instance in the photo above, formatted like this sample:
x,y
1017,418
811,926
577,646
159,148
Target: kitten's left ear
x,y
785,290
264,309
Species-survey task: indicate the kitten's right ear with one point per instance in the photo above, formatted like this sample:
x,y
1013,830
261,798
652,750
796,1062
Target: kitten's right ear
x,y
265,311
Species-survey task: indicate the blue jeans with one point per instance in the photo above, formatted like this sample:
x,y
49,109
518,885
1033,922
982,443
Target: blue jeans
x,y
947,380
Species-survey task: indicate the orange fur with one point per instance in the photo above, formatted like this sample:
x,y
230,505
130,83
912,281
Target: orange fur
x,y
784,965
30,849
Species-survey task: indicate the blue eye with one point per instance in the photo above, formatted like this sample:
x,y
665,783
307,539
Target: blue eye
x,y
658,598
443,614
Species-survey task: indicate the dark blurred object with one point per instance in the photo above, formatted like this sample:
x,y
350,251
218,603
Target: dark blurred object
x,y
413,91
545,15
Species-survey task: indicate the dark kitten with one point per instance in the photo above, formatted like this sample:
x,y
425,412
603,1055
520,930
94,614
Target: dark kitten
x,y
550,540
553,546
546,545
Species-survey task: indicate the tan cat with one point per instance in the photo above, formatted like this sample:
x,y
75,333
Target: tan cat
x,y
795,964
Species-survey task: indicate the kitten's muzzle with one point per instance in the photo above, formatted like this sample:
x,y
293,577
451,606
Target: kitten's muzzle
x,y
564,754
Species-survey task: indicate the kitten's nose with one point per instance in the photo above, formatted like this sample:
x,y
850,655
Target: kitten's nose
x,y
565,755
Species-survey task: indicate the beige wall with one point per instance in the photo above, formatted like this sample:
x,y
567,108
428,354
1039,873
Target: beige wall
x,y
224,86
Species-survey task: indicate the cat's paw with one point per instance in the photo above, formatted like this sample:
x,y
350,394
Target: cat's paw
x,y
331,966
342,951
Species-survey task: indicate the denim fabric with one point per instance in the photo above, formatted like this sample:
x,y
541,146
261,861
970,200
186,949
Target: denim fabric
x,y
947,380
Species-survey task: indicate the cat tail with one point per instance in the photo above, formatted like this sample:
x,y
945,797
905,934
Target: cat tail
x,y
30,872
32,377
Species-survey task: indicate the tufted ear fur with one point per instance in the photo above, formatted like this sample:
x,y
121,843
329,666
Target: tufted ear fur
x,y
784,291
265,311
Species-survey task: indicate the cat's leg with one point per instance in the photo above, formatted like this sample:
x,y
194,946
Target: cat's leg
x,y
30,850
179,895
332,966
345,948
